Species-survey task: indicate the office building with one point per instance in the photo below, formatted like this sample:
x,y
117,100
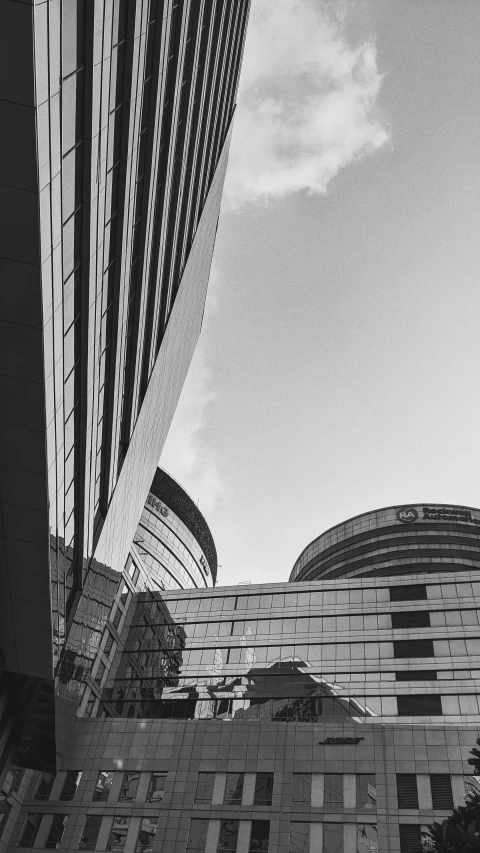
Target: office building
x,y
116,121
173,546
319,716
394,540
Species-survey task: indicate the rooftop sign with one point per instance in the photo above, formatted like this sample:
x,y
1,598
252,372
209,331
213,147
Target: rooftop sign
x,y
437,513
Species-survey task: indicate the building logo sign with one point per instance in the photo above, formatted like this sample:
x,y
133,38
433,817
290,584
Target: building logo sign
x,y
153,501
406,515
438,513
341,741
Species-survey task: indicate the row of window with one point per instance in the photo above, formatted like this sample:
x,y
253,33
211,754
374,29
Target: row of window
x,y
304,837
127,791
326,598
249,653
318,625
329,789
299,709
229,788
55,827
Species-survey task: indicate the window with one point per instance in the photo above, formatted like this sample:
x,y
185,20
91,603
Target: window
x,y
70,785
233,789
228,836
367,838
259,836
422,706
118,833
148,828
411,619
299,837
407,794
302,788
13,780
44,786
116,618
108,644
129,788
102,787
263,791
333,838
29,831
333,795
410,592
56,831
413,649
416,675
156,787
99,673
410,837
366,791
90,832
197,836
205,785
441,787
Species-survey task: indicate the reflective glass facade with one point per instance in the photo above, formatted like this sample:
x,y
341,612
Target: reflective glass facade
x,y
116,118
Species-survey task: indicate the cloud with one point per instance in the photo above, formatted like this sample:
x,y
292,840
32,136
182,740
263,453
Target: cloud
x,y
307,104
186,455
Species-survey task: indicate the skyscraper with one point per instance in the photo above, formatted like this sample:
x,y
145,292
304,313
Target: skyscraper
x,y
322,715
116,116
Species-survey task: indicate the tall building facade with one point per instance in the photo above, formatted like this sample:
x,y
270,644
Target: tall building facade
x,y
319,716
116,118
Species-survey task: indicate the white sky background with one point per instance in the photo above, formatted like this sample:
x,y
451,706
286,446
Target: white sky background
x,y
338,368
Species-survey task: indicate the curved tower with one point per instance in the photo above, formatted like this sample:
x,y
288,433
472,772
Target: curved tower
x,y
394,540
173,546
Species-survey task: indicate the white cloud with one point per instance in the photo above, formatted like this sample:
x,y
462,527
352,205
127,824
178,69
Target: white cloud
x,y
186,455
307,103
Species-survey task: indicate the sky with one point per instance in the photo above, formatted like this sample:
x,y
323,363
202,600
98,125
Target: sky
x,y
338,369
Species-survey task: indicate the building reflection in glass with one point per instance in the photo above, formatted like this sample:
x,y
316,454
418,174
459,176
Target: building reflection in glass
x,y
149,681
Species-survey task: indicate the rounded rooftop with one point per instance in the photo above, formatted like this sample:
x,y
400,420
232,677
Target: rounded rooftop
x,y
166,489
394,540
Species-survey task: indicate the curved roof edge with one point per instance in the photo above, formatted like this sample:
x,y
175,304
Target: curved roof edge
x,y
166,489
371,512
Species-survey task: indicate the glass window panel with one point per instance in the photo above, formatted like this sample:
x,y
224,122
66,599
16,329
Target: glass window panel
x,y
426,706
234,789
205,785
367,838
146,835
90,832
411,619
118,834
263,789
44,786
333,789
413,649
197,835
259,836
30,830
366,791
299,837
129,788
156,787
56,831
103,785
302,787
228,835
70,785
332,838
